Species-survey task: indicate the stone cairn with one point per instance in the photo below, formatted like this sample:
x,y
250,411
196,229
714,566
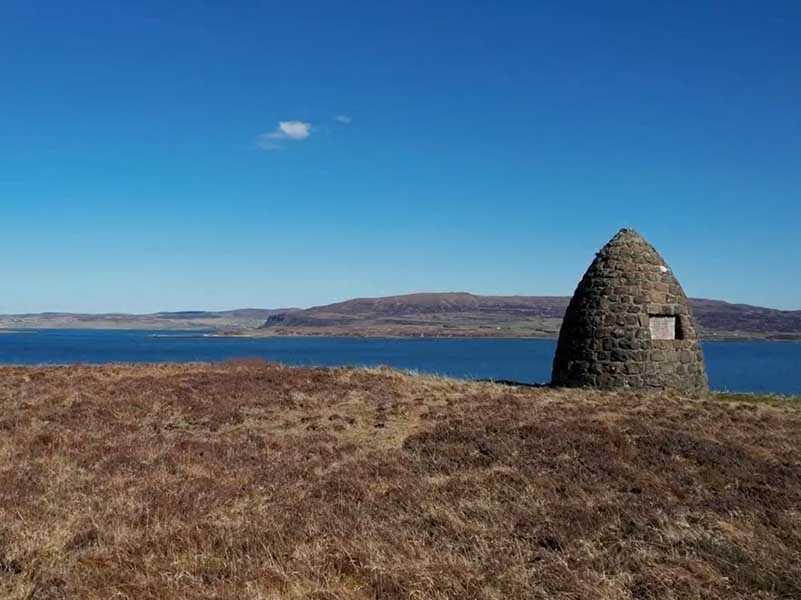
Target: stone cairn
x,y
628,325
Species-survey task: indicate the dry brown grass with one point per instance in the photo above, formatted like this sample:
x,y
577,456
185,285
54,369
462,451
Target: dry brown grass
x,y
251,480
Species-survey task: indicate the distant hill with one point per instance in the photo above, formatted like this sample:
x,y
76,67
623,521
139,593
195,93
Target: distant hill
x,y
460,314
451,314
716,316
234,320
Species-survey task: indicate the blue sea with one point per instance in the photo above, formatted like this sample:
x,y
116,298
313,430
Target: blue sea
x,y
734,366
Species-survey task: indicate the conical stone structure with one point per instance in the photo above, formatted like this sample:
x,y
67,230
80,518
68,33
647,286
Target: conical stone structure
x,y
628,325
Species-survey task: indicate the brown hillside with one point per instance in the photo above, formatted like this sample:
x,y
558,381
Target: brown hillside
x,y
256,481
462,314
543,306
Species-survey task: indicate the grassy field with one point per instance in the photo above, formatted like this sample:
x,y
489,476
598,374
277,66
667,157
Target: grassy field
x,y
250,480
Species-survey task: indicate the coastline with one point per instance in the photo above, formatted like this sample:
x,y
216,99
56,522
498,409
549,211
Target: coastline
x,y
467,335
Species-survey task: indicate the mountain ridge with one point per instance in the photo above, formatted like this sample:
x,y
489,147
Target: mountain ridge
x,y
422,314
461,314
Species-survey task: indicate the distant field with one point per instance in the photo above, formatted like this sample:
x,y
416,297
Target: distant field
x,y
250,480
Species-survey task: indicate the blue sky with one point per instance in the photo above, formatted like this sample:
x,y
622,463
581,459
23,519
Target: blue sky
x,y
426,146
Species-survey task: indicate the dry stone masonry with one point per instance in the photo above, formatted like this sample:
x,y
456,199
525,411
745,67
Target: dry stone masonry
x,y
628,325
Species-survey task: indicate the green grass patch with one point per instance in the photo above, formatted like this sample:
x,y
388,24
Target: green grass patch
x,y
758,398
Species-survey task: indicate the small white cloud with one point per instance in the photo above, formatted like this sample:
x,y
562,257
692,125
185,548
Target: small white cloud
x,y
343,119
286,130
291,130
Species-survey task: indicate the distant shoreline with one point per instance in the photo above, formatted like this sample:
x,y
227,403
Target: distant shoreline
x,y
434,315
357,335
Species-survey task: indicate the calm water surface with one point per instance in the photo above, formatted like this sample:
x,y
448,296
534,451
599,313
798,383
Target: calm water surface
x,y
736,366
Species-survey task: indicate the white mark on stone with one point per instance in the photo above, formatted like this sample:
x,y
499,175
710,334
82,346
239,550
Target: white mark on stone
x,y
663,268
662,327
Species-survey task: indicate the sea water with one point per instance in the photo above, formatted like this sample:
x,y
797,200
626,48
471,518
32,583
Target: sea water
x,y
735,366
